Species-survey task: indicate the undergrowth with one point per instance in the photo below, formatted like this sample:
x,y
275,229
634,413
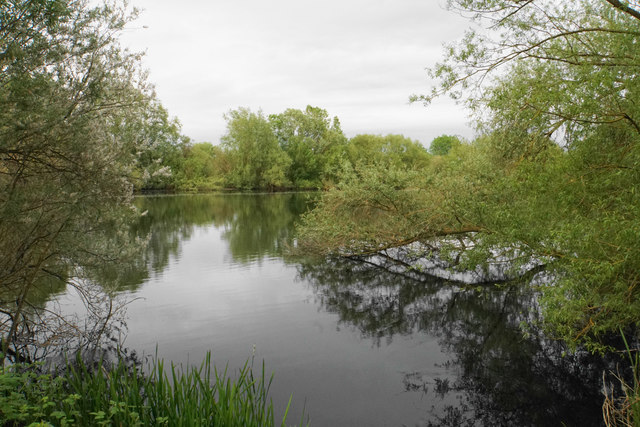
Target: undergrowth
x,y
121,394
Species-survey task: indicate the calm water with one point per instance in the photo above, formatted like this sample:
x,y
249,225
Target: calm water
x,y
356,344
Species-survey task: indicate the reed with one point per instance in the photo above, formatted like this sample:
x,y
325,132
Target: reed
x,y
122,394
624,410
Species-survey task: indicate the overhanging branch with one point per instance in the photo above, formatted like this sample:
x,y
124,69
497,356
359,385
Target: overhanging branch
x,y
623,6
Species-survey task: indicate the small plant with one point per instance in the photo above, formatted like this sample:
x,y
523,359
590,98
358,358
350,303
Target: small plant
x,y
623,411
27,395
121,394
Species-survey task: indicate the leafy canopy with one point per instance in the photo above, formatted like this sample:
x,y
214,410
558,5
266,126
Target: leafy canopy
x,y
256,159
74,110
312,140
554,179
442,144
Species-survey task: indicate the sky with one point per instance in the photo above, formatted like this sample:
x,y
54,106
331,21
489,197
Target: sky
x,y
360,60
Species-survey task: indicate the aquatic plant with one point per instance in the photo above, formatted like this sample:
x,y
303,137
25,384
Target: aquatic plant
x,y
624,410
123,394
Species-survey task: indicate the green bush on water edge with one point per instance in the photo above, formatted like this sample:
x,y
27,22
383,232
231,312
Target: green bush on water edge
x,y
121,394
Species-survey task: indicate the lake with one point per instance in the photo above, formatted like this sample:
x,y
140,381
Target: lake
x,y
354,343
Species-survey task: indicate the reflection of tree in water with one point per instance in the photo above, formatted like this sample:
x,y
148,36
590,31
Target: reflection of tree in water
x,y
505,377
260,225
379,303
254,225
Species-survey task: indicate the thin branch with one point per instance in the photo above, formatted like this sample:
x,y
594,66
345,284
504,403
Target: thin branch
x,y
625,8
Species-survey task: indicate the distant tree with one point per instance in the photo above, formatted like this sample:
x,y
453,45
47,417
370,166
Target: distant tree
x,y
312,140
159,146
257,161
204,167
394,150
160,155
200,160
442,144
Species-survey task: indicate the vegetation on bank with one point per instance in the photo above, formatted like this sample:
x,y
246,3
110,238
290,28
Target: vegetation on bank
x,y
127,394
551,183
292,150
553,180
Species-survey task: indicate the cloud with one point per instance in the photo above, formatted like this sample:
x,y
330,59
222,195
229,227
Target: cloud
x,y
358,59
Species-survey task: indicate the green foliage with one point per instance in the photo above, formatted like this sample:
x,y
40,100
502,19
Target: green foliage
x,y
67,91
294,149
256,159
27,396
204,167
312,140
441,145
555,177
373,207
160,146
392,150
123,395
566,66
571,81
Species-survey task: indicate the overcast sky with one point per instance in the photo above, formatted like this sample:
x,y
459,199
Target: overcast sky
x,y
358,59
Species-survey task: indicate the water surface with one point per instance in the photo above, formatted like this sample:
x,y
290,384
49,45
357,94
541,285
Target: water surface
x,y
356,344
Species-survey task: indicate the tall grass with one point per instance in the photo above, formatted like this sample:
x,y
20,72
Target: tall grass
x,y
623,411
122,395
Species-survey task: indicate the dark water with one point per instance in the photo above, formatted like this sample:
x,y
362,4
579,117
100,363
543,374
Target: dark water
x,y
356,344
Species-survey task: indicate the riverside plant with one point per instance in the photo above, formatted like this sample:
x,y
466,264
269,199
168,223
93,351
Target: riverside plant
x,y
121,394
623,411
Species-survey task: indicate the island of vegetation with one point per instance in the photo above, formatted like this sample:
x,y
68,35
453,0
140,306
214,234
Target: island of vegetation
x,y
549,191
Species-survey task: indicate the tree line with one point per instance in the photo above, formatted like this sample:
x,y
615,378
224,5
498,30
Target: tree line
x,y
295,149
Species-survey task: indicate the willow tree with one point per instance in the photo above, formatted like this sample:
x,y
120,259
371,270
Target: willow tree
x,y
392,150
554,180
256,160
569,79
67,93
313,140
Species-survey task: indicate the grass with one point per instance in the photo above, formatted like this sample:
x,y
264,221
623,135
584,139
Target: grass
x,y
122,395
623,411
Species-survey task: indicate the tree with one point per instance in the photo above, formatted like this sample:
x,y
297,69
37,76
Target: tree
x,y
257,161
204,166
570,80
391,150
65,89
553,181
576,62
159,146
441,145
312,140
